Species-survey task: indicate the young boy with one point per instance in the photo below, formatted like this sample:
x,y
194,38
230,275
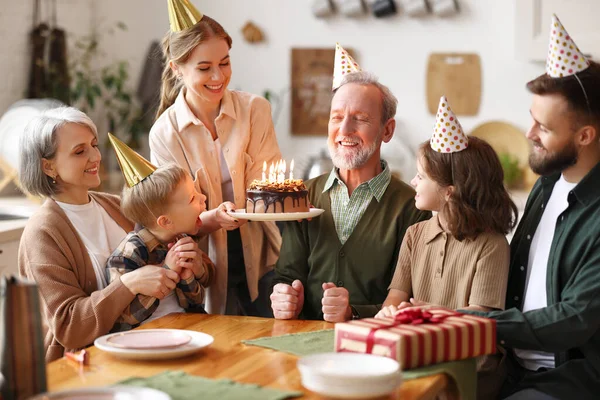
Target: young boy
x,y
164,204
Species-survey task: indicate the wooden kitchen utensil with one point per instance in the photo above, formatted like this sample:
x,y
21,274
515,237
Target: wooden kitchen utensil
x,y
456,76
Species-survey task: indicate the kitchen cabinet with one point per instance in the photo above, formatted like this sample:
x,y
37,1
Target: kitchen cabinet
x,y
533,18
8,257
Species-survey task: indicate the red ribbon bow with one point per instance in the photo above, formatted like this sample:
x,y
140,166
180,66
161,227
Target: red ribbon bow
x,y
412,316
416,316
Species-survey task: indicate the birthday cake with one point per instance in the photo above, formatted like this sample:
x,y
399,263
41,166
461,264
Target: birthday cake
x,y
288,196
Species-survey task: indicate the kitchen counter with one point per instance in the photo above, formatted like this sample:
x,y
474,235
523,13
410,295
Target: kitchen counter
x,y
14,214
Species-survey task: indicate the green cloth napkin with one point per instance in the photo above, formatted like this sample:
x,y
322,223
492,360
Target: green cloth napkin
x,y
298,344
181,386
464,372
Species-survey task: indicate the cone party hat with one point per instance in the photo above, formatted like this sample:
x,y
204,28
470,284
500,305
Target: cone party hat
x,y
448,135
135,168
564,57
344,64
183,15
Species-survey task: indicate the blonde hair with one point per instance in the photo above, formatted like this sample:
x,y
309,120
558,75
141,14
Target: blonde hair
x,y
177,47
149,199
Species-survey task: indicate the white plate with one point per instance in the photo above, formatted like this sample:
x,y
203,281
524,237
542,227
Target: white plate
x,y
106,393
242,214
199,341
149,339
349,375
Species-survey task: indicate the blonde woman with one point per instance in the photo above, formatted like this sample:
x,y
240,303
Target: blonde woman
x,y
66,243
222,138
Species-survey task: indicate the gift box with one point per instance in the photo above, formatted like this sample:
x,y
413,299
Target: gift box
x,y
416,337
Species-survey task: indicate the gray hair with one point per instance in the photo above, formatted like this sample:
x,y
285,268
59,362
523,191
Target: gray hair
x,y
39,141
389,101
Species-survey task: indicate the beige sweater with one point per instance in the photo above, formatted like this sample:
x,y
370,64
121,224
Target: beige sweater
x,y
436,268
52,254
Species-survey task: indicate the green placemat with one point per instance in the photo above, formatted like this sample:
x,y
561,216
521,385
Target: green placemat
x,y
181,386
299,344
463,372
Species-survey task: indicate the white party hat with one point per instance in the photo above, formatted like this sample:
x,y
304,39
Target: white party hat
x,y
564,57
448,135
344,65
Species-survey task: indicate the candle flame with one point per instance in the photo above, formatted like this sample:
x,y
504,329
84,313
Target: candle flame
x,y
264,166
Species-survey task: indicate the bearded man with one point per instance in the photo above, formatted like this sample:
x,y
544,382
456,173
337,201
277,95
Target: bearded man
x,y
551,326
339,265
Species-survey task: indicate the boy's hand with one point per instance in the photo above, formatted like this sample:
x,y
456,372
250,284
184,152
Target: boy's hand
x,y
172,260
189,260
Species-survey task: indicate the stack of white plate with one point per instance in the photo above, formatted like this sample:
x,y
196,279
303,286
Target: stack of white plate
x,y
349,375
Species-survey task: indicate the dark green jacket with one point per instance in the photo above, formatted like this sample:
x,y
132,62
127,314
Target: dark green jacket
x,y
568,326
312,252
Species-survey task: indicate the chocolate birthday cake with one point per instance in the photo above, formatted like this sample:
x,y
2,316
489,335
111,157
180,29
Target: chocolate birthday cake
x,y
272,197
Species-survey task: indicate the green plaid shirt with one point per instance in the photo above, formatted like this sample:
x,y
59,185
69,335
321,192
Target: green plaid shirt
x,y
348,210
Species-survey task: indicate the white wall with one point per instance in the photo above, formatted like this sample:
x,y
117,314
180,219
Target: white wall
x,y
395,48
15,24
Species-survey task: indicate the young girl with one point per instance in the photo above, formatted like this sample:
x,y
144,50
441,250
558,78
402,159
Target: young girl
x,y
459,258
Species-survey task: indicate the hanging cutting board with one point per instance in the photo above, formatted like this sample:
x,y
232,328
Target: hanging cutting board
x,y
456,76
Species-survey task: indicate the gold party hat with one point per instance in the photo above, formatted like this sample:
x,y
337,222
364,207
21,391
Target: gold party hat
x,y
135,168
183,15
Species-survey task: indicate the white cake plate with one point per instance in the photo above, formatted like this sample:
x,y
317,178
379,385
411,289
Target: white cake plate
x,y
242,214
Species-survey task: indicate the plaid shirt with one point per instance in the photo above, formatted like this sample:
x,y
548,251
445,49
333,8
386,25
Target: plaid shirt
x,y
140,248
348,210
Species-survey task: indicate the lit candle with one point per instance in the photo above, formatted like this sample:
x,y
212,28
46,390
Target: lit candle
x,y
279,169
264,173
271,174
292,170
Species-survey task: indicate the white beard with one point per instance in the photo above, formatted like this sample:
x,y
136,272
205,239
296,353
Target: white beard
x,y
351,158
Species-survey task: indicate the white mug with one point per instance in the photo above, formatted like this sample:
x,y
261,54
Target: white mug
x,y
415,8
350,8
444,8
322,8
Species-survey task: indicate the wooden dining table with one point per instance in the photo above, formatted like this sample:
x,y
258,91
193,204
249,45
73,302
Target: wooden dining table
x,y
226,357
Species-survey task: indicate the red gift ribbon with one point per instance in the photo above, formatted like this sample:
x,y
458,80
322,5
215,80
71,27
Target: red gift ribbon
x,y
412,316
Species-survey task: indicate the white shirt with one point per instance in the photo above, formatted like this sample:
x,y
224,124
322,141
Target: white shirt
x,y
535,286
98,231
168,305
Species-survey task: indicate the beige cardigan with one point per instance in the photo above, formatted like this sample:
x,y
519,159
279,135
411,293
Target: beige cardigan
x,y
52,254
245,130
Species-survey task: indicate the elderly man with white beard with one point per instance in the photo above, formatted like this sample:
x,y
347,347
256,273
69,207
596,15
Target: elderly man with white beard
x,y
338,266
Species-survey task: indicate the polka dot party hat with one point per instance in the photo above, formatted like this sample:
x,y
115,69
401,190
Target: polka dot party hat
x,y
564,57
448,135
344,64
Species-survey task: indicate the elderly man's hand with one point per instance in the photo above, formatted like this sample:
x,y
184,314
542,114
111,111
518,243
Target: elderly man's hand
x,y
336,303
287,301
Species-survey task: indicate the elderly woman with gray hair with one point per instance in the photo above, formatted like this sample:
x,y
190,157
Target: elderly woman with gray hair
x,y
65,245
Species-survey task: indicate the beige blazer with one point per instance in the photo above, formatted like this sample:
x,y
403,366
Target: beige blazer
x,y
245,130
